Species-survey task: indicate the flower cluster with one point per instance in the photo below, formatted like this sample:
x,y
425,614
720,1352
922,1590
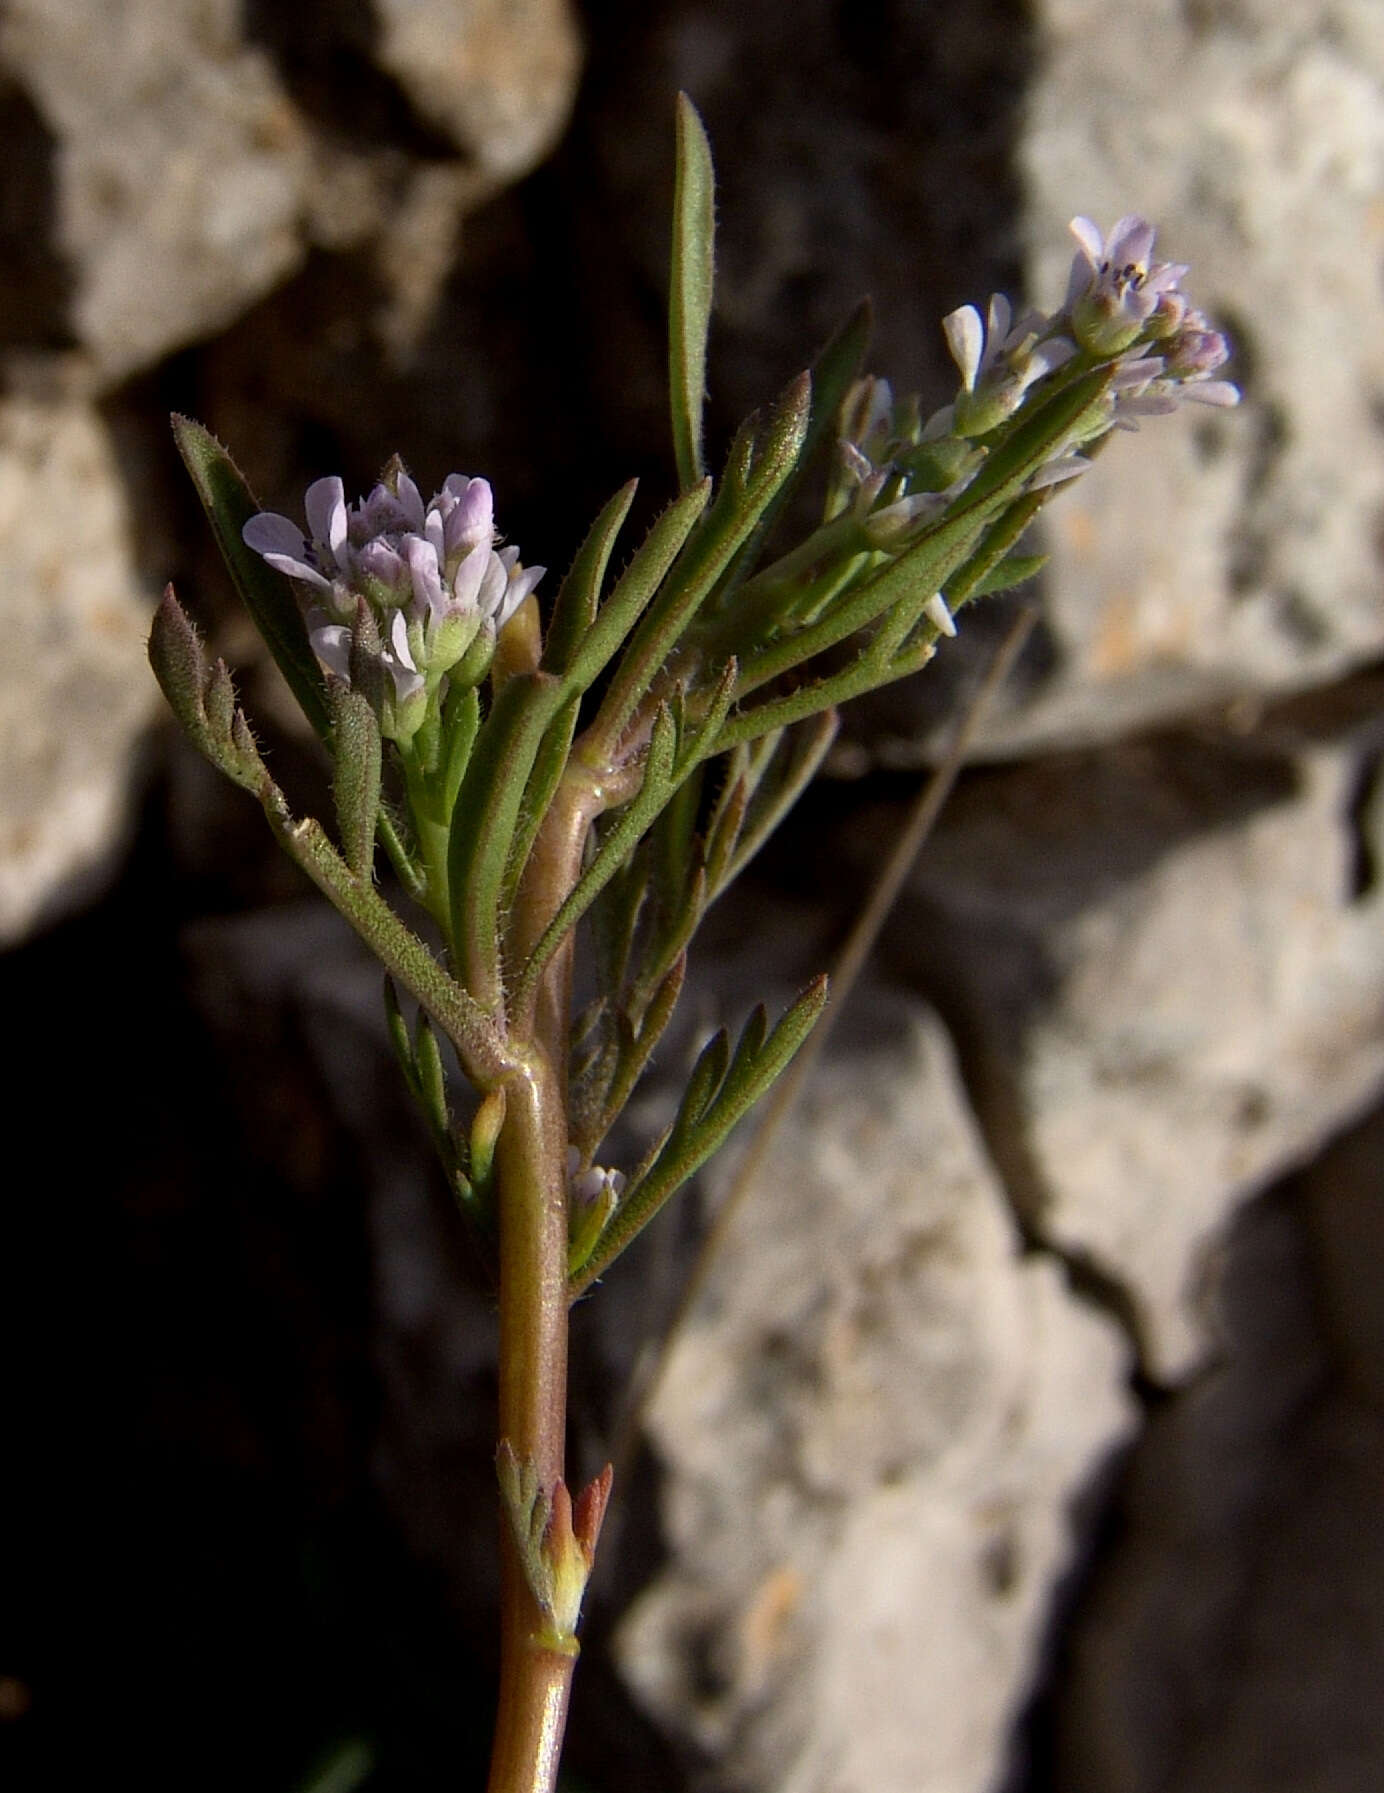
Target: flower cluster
x,y
435,590
899,470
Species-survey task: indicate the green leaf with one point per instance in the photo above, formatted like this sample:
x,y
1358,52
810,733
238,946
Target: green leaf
x,y
1018,569
836,366
579,596
925,567
483,824
718,1096
267,595
690,289
634,1053
549,765
399,1037
461,720
708,1074
636,587
762,457
480,1047
202,697
180,666
357,757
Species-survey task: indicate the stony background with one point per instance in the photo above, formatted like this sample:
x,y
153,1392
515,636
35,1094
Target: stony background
x,y
1030,1435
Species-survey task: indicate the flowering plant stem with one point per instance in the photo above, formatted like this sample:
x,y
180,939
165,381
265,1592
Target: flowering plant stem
x,y
535,1677
531,1165
613,773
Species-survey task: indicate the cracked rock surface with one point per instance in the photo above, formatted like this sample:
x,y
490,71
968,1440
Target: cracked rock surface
x,y
1028,1436
873,1429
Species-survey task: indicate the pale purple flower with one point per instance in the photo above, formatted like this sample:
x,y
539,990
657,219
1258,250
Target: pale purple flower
x,y
431,572
1115,287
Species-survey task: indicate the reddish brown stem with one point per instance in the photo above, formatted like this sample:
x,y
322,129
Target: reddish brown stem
x,y
531,1162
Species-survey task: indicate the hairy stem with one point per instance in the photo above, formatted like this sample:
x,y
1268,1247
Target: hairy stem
x,y
531,1160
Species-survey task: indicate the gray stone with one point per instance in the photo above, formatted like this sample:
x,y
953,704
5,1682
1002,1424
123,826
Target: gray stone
x,y
1235,1638
1165,962
871,1431
194,168
496,75
1231,553
179,165
75,689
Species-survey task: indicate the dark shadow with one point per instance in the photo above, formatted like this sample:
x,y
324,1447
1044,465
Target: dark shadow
x,y
36,293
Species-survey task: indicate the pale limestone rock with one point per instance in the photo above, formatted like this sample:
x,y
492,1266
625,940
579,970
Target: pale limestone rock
x,y
1225,552
497,75
1234,1640
1170,974
871,1431
75,689
190,178
179,165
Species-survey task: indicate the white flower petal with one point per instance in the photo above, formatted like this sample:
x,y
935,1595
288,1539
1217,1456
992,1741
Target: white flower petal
x,y
1087,233
965,338
325,504
297,569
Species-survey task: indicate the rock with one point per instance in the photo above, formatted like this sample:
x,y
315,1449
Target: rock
x,y
75,690
871,1431
1231,553
199,151
178,167
1235,1637
1165,965
497,77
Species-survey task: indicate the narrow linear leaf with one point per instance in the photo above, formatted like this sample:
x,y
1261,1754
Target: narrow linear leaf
x,y
1018,569
432,1080
673,939
996,544
763,456
357,758
673,854
399,1037
578,597
927,566
180,665
635,588
688,1147
690,289
549,764
1040,433
703,1086
748,1049
218,701
479,1045
267,595
835,367
483,823
727,820
396,840
695,738
634,1059
461,721
615,917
